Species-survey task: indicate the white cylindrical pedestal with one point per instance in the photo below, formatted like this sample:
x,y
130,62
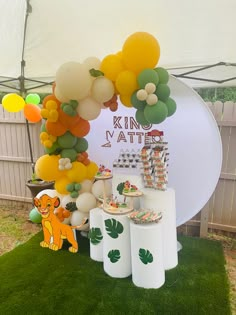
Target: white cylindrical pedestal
x,y
147,255
164,201
96,234
116,245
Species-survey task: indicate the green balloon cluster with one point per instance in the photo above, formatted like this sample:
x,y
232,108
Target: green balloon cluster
x,y
70,108
73,189
152,100
32,99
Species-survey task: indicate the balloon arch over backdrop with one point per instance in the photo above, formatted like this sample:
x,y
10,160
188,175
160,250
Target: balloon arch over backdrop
x,y
82,91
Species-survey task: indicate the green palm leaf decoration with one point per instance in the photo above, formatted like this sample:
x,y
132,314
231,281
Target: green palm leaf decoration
x,y
113,228
95,235
114,255
145,256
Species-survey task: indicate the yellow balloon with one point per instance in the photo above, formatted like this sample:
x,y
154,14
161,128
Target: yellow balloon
x,y
60,185
13,102
46,168
126,100
92,170
78,172
141,50
126,82
111,66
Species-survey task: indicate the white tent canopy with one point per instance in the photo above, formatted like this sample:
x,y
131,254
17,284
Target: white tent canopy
x,y
190,33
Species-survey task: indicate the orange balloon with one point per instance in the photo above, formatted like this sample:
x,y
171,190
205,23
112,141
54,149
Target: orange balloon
x,y
51,97
56,129
81,129
68,121
32,113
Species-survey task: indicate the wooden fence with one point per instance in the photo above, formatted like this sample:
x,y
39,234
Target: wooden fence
x,y
15,166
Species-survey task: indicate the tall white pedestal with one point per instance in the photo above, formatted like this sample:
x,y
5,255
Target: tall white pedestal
x,y
147,255
96,234
164,201
116,245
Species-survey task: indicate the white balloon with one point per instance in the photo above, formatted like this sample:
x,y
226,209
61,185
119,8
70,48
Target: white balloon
x,y
73,80
89,109
150,88
86,186
60,96
86,202
102,89
151,99
97,188
142,95
67,220
77,218
50,192
92,63
66,200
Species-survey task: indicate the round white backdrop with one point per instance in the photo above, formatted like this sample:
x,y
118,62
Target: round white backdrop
x,y
193,139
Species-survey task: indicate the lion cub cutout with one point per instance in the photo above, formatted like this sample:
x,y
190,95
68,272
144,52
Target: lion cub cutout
x,y
52,227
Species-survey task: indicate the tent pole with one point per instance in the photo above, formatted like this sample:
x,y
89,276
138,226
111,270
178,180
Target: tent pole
x,y
22,81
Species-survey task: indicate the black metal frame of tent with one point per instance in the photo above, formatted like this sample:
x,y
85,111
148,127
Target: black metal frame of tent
x,y
21,81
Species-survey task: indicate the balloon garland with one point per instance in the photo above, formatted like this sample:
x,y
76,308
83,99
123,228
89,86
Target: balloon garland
x,y
80,92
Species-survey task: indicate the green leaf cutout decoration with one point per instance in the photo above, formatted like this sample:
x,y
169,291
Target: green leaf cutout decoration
x,y
145,256
114,255
113,228
96,73
95,235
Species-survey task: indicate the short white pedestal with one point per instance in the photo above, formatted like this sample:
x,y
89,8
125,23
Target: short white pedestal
x,y
164,201
147,255
96,234
116,245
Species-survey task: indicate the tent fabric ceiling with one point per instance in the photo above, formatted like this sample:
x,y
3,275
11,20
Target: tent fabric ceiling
x,y
190,33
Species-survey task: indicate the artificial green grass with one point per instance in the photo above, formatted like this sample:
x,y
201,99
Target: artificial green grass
x,y
35,280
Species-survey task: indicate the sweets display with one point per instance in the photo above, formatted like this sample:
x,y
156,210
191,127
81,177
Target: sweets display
x,y
145,216
154,158
103,173
127,159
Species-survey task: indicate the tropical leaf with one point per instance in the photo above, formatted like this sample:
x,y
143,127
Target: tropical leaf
x,y
145,256
71,206
113,228
114,255
95,235
120,188
96,73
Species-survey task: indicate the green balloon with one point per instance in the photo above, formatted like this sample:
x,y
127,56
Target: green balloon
x,y
171,106
77,186
147,76
162,92
32,99
136,102
70,187
74,103
53,148
157,113
163,75
35,216
74,194
139,116
81,145
69,153
67,140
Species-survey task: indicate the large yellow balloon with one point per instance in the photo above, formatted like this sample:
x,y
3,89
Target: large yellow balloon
x,y
60,185
126,100
141,50
92,170
111,66
13,102
46,168
126,82
78,172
